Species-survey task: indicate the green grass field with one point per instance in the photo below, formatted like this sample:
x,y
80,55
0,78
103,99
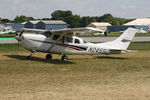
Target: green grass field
x,y
7,35
18,48
88,77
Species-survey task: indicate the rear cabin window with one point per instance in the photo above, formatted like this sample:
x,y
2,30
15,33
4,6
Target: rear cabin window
x,y
69,39
48,33
77,41
55,37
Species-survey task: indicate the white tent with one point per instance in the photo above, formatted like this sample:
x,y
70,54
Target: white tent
x,y
144,22
100,25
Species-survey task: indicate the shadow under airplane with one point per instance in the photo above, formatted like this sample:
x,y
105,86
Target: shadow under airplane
x,y
53,61
108,57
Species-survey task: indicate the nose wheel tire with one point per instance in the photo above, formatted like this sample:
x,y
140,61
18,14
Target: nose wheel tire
x,y
64,58
48,57
29,57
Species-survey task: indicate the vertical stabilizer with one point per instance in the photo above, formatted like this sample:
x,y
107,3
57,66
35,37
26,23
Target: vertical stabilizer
x,y
123,41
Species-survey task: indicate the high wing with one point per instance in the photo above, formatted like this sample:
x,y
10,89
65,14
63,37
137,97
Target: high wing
x,y
74,31
32,30
68,32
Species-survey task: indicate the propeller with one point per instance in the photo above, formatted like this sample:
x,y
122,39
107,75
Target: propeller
x,y
18,36
18,43
21,33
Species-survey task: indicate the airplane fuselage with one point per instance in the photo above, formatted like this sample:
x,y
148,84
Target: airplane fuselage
x,y
41,43
64,42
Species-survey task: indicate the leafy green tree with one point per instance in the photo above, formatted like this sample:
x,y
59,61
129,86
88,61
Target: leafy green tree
x,y
128,20
46,19
61,15
68,17
115,22
107,18
77,21
73,21
104,18
5,20
20,19
93,19
87,20
29,18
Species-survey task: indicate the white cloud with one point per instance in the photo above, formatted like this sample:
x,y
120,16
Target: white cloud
x,y
127,7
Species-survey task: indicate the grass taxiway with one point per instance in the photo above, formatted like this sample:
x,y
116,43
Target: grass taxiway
x,y
97,77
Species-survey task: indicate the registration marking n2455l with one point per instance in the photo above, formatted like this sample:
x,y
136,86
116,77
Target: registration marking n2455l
x,y
98,50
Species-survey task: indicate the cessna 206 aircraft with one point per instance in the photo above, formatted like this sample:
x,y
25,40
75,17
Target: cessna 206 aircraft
x,y
64,42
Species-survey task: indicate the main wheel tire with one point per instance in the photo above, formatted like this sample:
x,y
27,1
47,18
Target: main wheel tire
x,y
64,58
29,57
48,57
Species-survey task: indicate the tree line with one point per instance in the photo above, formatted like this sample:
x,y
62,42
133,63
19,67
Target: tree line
x,y
72,20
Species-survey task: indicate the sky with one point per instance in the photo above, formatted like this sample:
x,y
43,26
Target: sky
x,y
43,8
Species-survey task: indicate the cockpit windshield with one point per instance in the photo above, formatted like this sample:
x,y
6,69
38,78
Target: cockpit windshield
x,y
46,33
68,39
85,41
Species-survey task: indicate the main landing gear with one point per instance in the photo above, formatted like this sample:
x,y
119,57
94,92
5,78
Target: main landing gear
x,y
63,58
30,57
48,57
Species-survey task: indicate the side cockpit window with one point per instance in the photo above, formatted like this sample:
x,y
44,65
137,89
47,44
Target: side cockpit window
x,y
77,41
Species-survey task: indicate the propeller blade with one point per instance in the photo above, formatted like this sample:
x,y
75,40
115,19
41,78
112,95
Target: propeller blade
x,y
18,43
17,32
21,33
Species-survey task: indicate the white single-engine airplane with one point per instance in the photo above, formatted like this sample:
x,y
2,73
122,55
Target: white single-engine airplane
x,y
65,43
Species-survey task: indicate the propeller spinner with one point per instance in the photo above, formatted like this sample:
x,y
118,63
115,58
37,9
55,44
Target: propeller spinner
x,y
18,36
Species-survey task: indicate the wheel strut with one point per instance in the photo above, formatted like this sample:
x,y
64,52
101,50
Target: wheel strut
x,y
30,56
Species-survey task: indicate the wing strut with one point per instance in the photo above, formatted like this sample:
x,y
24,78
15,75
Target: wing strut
x,y
56,41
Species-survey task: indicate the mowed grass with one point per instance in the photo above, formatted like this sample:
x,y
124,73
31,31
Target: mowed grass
x,y
7,35
14,47
88,77
18,48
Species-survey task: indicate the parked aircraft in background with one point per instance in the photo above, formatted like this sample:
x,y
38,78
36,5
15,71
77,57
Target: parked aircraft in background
x,y
64,42
142,31
7,31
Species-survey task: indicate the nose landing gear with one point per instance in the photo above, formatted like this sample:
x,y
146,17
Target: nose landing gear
x,y
30,57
